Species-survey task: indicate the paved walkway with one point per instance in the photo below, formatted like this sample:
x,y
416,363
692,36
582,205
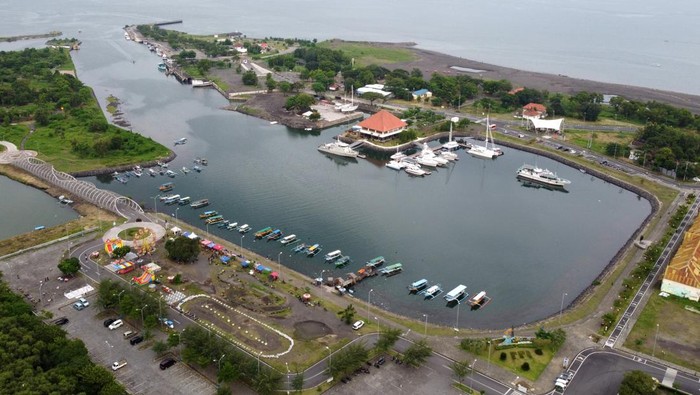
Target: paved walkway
x,y
12,154
155,229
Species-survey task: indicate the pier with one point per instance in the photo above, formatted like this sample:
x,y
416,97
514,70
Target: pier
x,y
167,23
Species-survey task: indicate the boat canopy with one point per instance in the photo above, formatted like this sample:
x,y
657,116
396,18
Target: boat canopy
x,y
456,293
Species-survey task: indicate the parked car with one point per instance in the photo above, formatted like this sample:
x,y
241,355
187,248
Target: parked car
x,y
166,363
108,322
119,364
78,306
116,324
84,302
357,325
129,334
136,340
61,321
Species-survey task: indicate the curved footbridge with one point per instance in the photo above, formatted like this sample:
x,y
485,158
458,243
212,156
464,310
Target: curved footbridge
x,y
108,200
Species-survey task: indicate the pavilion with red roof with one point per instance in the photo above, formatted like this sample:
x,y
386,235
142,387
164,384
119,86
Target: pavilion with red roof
x,y
382,125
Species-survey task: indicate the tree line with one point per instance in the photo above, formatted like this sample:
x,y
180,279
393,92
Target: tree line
x,y
38,358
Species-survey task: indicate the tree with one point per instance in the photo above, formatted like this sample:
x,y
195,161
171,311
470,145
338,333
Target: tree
x,y
250,78
298,382
315,116
299,102
267,381
417,353
228,373
69,266
270,84
372,96
347,314
637,383
182,249
318,87
160,347
120,252
284,86
460,369
387,339
173,339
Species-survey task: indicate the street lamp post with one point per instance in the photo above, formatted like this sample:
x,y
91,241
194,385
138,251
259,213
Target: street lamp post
x,y
561,307
120,297
472,375
287,365
457,323
176,210
425,327
142,320
219,362
488,367
330,358
41,285
155,205
369,300
242,243
653,351
279,265
207,224
259,354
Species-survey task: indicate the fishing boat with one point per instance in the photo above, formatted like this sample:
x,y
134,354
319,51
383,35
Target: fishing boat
x,y
137,171
391,270
161,67
172,199
275,235
263,232
313,250
245,228
433,291
162,164
232,225
185,170
170,174
485,152
299,248
456,294
208,214
204,162
184,201
342,261
197,169
200,203
214,219
541,176
333,255
288,239
223,224
166,197
478,298
152,173
418,285
375,262
181,141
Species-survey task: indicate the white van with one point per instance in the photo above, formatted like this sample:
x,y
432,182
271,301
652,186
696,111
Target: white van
x,y
560,384
116,324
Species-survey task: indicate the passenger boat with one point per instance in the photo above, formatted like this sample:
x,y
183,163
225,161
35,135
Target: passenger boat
x,y
197,169
223,224
478,298
208,214
333,255
433,291
232,225
418,285
167,197
152,173
200,203
342,261
275,235
214,219
375,262
540,176
391,270
457,293
172,199
396,165
170,174
313,250
299,248
184,201
185,170
263,232
288,239
180,141
338,148
245,228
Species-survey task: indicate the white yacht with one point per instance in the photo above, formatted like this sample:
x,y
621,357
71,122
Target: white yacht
x,y
541,176
485,152
396,164
449,155
415,170
338,148
427,152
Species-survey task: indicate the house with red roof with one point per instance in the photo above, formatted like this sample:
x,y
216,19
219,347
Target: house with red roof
x,y
381,125
534,110
682,275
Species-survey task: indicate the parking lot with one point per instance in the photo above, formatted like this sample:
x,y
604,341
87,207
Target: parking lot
x,y
142,374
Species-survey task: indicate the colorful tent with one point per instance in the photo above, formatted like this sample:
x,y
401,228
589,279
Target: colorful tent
x,y
259,267
274,276
218,247
225,259
211,245
245,263
111,244
205,242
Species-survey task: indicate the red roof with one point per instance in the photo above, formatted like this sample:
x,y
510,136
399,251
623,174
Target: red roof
x,y
535,107
516,90
382,122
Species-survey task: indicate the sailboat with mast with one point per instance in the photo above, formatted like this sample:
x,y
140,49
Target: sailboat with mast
x,y
352,106
484,152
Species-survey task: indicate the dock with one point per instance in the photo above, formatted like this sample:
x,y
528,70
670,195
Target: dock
x,y
355,278
175,22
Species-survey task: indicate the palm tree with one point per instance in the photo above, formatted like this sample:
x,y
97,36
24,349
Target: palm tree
x,y
347,314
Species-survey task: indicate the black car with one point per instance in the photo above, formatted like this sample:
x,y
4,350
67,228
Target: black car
x,y
61,321
166,363
108,322
136,340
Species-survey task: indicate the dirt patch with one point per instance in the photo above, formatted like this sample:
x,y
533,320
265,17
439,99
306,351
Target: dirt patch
x,y
310,330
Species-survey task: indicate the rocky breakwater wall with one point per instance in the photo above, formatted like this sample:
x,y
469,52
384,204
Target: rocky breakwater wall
x,y
110,170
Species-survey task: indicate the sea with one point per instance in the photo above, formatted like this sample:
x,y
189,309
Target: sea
x,y
532,250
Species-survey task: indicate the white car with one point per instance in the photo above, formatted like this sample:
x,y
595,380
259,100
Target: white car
x,y
116,324
119,364
84,302
357,325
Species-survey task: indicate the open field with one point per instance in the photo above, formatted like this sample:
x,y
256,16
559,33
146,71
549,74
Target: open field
x,y
678,330
598,140
370,53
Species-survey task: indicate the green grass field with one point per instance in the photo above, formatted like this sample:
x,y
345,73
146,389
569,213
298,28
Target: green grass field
x,y
366,54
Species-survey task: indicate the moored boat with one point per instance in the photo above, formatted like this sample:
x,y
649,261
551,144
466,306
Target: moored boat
x,y
170,174
232,225
457,293
185,170
152,173
288,239
180,141
299,248
333,255
391,270
433,291
263,232
342,261
214,219
223,224
313,250
541,176
396,165
338,148
208,214
197,169
166,187
245,228
375,262
184,201
200,203
418,285
275,235
172,199
478,298
415,170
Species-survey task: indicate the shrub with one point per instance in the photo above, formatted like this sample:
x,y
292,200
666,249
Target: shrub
x,y
538,351
525,366
503,356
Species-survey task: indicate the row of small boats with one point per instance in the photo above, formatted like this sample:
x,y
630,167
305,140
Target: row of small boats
x,y
456,295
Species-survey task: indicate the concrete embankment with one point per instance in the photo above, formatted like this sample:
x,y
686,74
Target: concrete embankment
x,y
110,170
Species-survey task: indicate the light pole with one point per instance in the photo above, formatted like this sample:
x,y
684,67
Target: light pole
x,y
561,307
425,327
207,230
110,347
279,264
488,367
369,302
242,244
287,365
259,354
330,358
219,362
120,297
457,323
142,320
41,285
472,375
653,351
176,210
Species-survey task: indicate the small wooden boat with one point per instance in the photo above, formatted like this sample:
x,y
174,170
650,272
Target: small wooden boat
x,y
200,203
376,262
214,219
208,214
263,232
418,285
313,250
299,248
342,261
288,239
275,235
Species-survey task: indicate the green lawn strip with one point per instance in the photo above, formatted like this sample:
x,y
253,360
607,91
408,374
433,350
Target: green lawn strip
x,y
366,54
464,388
678,330
14,133
538,363
598,140
221,84
133,234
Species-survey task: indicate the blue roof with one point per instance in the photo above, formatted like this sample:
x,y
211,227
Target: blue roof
x,y
420,92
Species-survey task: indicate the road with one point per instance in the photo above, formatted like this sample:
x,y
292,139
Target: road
x,y
601,372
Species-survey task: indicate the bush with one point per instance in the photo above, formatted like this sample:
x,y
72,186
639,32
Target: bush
x,y
538,351
525,366
503,356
